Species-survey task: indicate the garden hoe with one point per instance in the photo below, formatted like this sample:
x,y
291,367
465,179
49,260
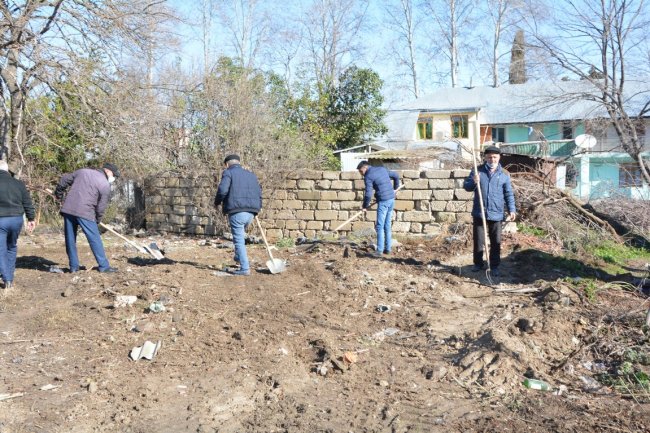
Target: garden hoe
x,y
275,265
152,249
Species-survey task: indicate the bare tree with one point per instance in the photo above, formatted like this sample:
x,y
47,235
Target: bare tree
x,y
401,19
502,22
452,18
601,42
332,30
40,42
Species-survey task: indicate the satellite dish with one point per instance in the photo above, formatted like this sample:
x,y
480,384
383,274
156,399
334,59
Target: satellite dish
x,y
585,141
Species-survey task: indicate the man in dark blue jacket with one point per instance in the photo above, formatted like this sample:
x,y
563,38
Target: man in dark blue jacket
x,y
14,203
496,191
240,195
384,183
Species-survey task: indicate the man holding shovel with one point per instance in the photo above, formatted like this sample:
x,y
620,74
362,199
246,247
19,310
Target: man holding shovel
x,y
384,183
241,196
85,203
496,192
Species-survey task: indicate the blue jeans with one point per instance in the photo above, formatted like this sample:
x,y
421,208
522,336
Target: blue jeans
x,y
238,223
71,225
383,226
9,231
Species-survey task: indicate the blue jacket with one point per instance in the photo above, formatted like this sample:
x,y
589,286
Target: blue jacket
x,y
239,191
379,179
496,191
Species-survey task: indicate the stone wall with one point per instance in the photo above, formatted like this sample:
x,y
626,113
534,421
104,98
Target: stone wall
x,y
312,202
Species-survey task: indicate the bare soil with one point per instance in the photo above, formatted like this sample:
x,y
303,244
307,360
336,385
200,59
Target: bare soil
x,y
311,349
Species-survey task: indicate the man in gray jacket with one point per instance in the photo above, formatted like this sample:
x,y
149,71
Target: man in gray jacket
x,y
84,206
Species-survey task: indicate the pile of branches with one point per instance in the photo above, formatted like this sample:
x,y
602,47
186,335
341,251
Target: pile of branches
x,y
562,217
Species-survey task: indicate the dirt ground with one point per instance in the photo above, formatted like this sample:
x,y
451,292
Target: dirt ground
x,y
433,347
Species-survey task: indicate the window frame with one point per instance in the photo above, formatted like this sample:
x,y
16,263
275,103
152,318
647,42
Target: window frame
x,y
424,124
463,119
629,175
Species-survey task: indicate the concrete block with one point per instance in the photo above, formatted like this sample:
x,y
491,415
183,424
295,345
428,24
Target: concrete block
x,y
417,216
404,205
292,224
443,194
416,228
404,194
441,183
359,185
290,184
276,204
306,184
341,184
273,234
437,174
422,194
410,174
461,194
350,175
310,233
350,205
172,182
306,215
323,215
324,205
323,184
455,206
417,184
346,195
444,217
332,175
438,206
362,225
308,195
328,195
460,173
293,204
314,225
401,227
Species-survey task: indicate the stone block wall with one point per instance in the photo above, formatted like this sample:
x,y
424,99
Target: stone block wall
x,y
309,203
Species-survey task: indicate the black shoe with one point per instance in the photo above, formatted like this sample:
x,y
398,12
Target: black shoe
x,y
109,270
240,272
9,285
81,268
386,253
477,268
495,272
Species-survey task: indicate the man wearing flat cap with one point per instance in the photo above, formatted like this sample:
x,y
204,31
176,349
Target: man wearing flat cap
x,y
240,195
84,205
496,191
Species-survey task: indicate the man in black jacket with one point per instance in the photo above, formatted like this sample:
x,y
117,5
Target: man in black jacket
x,y
14,202
240,195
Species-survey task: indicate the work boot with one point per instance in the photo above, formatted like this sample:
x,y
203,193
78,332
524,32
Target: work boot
x,y
495,272
477,268
376,254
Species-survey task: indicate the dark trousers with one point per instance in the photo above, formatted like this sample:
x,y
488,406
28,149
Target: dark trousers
x,y
494,231
9,230
71,225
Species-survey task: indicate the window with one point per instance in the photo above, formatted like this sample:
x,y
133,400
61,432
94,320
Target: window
x,y
567,131
499,135
459,126
571,176
629,175
425,127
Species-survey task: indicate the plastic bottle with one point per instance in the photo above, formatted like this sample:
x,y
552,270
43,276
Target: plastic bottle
x,y
536,384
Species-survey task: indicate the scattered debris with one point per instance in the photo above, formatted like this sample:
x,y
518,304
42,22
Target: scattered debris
x,y
350,357
124,301
49,387
147,351
55,269
10,396
382,308
156,307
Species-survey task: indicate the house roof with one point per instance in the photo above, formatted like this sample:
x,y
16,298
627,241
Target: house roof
x,y
531,102
432,152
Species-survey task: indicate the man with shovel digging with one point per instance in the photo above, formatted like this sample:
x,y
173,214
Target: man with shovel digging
x,y
84,206
496,192
384,183
240,195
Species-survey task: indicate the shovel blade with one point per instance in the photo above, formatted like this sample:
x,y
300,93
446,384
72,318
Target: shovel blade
x,y
276,266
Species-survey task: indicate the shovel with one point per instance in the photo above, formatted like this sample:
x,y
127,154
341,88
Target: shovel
x,y
152,250
275,265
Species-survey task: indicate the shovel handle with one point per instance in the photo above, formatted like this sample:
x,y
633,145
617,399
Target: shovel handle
x,y
130,242
356,215
268,249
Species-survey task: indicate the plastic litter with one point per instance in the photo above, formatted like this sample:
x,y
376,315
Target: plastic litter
x,y
382,308
55,269
156,307
124,301
539,385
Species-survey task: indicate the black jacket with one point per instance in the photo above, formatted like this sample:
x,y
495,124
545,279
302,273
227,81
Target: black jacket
x,y
14,198
239,191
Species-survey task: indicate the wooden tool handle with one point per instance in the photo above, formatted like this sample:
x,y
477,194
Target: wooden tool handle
x,y
268,249
356,215
129,241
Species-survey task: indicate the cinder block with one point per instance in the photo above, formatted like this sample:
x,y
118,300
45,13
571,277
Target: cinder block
x,y
461,194
331,175
422,194
444,217
438,206
461,173
314,225
324,205
328,195
293,204
323,184
410,174
401,227
323,215
308,195
306,184
350,175
346,195
306,215
404,194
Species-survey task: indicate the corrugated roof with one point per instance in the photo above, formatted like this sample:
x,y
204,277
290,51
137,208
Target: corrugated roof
x,y
422,153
